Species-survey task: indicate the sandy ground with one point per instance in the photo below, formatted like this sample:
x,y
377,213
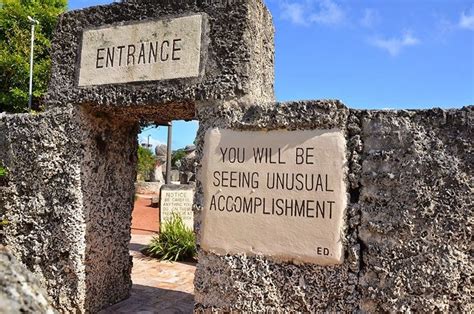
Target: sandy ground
x,y
145,218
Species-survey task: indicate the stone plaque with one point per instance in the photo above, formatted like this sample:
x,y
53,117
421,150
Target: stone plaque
x,y
177,199
147,51
278,193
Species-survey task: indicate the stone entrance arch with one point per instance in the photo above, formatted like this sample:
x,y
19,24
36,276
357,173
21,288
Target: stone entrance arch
x,y
69,192
73,167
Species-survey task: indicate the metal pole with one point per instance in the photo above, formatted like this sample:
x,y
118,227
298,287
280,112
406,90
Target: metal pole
x,y
148,142
168,155
30,99
33,23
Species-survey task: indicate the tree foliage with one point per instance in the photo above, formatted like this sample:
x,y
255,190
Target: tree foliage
x,y
146,162
15,36
177,155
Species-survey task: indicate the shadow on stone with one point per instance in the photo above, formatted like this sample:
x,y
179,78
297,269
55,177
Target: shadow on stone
x,y
137,247
153,300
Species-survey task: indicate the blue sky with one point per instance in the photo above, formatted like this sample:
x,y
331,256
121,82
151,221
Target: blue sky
x,y
370,54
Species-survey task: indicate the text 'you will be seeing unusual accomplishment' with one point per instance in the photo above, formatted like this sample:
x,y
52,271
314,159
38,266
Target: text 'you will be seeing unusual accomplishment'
x,y
280,193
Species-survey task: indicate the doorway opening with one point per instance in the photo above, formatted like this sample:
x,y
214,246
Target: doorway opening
x,y
165,164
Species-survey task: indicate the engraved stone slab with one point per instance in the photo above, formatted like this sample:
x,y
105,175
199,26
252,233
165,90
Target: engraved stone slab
x,y
278,193
147,51
177,199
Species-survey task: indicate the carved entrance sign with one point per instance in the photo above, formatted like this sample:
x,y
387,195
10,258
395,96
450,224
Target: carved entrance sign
x,y
278,193
148,51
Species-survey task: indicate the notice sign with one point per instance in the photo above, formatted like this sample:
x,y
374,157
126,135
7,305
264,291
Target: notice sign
x,y
146,51
177,199
277,193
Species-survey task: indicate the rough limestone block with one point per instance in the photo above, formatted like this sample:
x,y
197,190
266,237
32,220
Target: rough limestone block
x,y
416,202
243,283
407,243
236,58
43,202
70,179
20,290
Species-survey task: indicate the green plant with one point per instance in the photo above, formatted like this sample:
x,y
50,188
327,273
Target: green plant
x,y
15,33
146,162
176,242
177,155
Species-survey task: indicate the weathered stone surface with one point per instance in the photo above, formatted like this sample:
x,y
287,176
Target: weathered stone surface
x,y
254,284
20,290
416,209
108,172
142,187
160,152
239,282
174,176
237,59
70,179
46,227
407,245
70,190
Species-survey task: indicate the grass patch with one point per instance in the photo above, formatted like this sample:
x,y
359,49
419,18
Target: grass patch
x,y
176,242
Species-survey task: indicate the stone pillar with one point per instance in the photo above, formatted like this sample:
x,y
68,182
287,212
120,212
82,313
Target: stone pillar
x,y
108,175
70,177
254,282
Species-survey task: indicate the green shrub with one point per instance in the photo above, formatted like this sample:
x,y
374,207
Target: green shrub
x,y
146,162
176,242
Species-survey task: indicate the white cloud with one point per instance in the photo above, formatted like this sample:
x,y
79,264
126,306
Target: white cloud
x,y
325,12
370,18
466,20
445,27
294,12
395,45
330,13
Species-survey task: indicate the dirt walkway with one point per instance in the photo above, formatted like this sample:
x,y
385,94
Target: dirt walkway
x,y
145,218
